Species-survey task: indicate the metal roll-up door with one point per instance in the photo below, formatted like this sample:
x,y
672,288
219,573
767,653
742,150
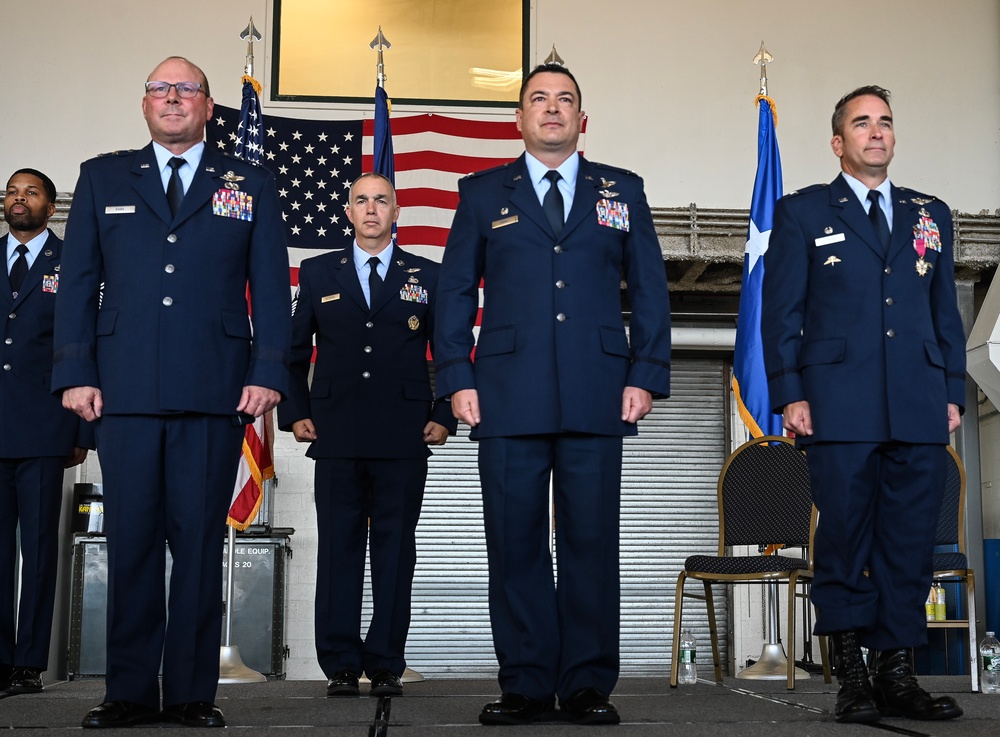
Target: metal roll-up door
x,y
668,513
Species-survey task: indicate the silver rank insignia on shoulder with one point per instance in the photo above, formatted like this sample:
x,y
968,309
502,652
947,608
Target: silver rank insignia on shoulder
x,y
608,183
48,252
517,178
920,201
504,211
828,230
413,322
842,199
231,179
608,193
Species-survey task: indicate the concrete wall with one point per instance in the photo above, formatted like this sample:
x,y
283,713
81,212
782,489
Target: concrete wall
x,y
669,85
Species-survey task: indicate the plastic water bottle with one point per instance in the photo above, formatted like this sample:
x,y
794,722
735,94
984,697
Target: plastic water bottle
x,y
989,651
687,672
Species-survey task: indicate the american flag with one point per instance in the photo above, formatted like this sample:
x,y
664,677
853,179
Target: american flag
x,y
315,162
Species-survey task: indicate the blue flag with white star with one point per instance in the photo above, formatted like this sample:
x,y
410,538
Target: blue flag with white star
x,y
749,378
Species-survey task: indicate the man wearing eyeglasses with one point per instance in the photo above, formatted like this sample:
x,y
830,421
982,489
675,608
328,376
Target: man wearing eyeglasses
x,y
153,344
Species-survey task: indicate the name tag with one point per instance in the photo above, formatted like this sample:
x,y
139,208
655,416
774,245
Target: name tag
x,y
828,239
330,298
119,210
505,221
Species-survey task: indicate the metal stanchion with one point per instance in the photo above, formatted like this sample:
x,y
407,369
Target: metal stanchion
x,y
772,664
231,666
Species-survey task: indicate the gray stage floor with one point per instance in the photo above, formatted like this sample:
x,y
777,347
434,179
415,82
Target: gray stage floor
x,y
648,706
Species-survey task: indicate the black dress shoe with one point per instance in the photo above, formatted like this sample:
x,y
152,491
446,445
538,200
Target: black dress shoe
x,y
513,708
385,683
590,706
6,671
855,700
344,683
897,692
119,714
194,714
25,680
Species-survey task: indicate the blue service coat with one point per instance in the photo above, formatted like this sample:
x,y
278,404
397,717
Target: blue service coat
x,y
170,332
371,391
553,355
874,344
33,423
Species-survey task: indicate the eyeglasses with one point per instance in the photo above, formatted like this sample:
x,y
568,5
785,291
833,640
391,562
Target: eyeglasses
x,y
186,90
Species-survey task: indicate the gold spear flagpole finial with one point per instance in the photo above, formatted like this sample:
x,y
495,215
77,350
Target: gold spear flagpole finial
x,y
380,43
250,34
554,58
762,60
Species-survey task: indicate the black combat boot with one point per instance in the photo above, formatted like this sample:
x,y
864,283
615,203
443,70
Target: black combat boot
x,y
898,694
855,700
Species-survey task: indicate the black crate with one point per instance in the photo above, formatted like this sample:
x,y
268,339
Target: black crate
x,y
259,589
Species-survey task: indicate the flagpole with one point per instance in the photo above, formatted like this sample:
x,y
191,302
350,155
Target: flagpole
x,y
772,663
232,669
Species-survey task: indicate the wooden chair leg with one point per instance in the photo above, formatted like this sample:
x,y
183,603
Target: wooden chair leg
x,y
792,581
973,658
713,631
824,654
675,650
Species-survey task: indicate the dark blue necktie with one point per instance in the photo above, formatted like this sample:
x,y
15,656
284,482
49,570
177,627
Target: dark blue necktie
x,y
552,203
19,269
374,280
175,187
877,217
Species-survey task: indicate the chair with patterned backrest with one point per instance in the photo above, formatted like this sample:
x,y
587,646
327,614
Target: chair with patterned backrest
x,y
765,502
953,567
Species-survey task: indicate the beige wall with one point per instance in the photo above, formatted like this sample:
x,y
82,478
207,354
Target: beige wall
x,y
669,86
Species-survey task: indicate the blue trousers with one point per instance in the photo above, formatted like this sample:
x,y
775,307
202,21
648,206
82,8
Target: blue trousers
x,y
553,638
878,509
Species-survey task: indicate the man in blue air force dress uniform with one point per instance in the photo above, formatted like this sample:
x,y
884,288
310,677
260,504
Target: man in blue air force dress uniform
x,y
369,418
865,356
154,345
38,437
555,386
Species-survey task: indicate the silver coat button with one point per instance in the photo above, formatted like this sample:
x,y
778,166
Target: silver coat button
x,y
888,269
368,349
9,341
6,367
168,301
557,249
888,301
560,284
169,268
366,375
890,333
171,238
561,317
369,324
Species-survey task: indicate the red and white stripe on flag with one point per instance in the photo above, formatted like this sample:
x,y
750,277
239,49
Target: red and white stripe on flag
x,y
256,467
